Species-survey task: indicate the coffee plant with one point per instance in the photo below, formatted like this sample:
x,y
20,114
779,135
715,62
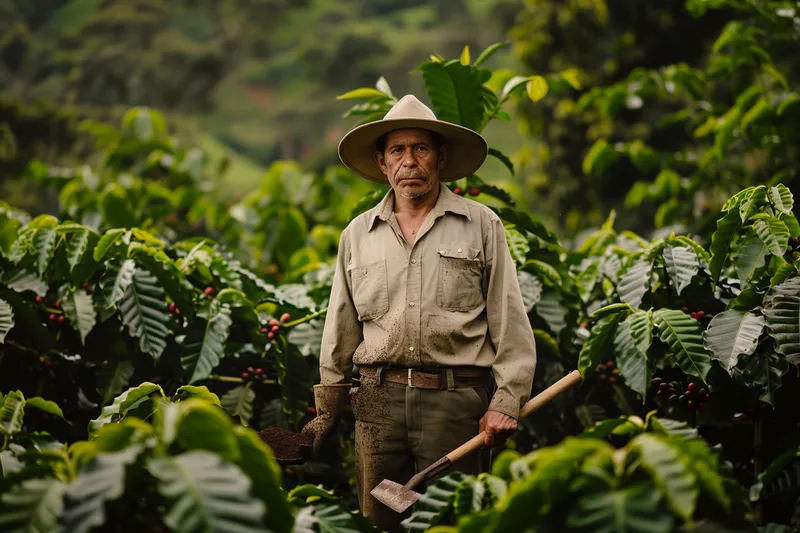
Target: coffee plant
x,y
149,328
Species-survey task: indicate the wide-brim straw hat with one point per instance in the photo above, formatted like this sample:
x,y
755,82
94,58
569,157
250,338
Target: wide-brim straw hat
x,y
466,149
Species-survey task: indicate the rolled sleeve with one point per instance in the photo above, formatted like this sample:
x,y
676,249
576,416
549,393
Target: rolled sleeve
x,y
509,328
342,332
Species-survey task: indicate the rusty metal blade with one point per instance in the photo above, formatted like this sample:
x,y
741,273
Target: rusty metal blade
x,y
394,496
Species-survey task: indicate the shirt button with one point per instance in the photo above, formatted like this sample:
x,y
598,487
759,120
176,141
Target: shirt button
x,y
459,250
413,260
410,348
411,304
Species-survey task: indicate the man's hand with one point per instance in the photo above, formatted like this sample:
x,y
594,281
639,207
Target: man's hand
x,y
498,427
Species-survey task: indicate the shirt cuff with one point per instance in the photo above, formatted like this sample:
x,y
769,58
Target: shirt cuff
x,y
505,403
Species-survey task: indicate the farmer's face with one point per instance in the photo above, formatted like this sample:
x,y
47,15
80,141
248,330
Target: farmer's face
x,y
411,162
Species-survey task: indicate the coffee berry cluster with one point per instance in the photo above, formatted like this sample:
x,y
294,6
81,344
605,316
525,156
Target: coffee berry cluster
x,y
794,245
695,397
607,371
253,374
472,192
274,325
52,317
697,315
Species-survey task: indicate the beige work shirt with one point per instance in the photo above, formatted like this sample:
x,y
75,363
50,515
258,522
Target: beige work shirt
x,y
451,299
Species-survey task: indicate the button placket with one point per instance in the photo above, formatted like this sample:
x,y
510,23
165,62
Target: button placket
x,y
412,313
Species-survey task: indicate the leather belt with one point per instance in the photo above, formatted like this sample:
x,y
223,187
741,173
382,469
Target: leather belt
x,y
430,378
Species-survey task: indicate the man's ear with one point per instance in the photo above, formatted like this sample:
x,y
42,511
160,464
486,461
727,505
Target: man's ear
x,y
442,157
379,159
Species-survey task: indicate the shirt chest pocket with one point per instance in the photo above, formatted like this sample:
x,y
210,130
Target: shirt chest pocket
x,y
460,272
370,290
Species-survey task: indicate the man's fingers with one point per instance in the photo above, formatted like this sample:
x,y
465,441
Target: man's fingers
x,y
488,439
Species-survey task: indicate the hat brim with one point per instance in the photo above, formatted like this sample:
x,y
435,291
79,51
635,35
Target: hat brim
x,y
466,149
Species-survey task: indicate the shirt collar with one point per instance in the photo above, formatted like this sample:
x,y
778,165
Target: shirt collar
x,y
447,201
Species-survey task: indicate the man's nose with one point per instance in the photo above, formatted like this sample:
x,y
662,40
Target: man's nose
x,y
408,158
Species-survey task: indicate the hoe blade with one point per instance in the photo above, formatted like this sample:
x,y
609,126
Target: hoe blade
x,y
394,496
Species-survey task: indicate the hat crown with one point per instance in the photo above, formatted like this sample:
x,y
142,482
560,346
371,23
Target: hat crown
x,y
409,106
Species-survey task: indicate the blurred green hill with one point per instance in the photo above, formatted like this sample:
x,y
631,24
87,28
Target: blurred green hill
x,y
255,80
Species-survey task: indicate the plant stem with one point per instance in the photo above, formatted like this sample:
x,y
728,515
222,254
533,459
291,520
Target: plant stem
x,y
233,379
306,318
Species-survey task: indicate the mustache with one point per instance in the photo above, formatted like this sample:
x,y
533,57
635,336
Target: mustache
x,y
412,174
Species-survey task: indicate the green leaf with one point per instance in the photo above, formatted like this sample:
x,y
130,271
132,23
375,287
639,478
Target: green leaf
x,y
543,271
536,88
517,245
774,233
587,279
469,496
489,52
364,92
307,337
633,510
204,493
37,402
205,427
598,344
113,376
610,310
204,346
531,289
670,474
781,197
727,227
699,250
790,287
103,479
33,506
600,156
731,334
44,242
6,319
631,343
79,309
193,391
634,283
294,377
677,428
544,477
11,412
552,310
239,402
129,399
78,244
144,310
684,337
783,325
108,240
455,92
257,461
435,502
750,255
117,280
737,199
503,158
764,374
325,517
682,265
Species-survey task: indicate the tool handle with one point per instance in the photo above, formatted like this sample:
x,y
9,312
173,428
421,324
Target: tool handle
x,y
534,404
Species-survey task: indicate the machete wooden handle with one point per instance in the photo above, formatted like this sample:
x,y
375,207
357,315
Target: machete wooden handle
x,y
535,403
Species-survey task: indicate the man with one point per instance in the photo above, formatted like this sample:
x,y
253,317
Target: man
x,y
425,302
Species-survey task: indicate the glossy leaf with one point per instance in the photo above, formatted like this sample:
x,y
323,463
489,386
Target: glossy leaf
x,y
721,240
193,391
682,265
117,280
781,197
434,502
79,309
12,410
750,256
632,510
669,472
634,283
774,233
631,344
33,506
239,402
37,402
204,493
204,346
6,319
783,325
684,338
112,377
599,343
129,399
731,334
144,310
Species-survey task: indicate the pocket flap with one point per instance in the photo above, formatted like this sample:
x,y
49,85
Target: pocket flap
x,y
459,251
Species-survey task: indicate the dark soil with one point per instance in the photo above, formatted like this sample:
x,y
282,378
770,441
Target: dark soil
x,y
288,447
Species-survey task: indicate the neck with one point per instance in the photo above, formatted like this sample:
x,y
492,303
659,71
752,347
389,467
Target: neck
x,y
419,206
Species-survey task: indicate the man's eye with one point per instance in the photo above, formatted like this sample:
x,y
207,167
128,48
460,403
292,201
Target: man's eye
x,y
422,148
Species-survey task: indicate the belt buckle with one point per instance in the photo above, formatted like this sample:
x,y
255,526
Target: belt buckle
x,y
409,379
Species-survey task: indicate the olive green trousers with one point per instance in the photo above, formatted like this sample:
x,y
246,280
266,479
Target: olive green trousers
x,y
401,430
